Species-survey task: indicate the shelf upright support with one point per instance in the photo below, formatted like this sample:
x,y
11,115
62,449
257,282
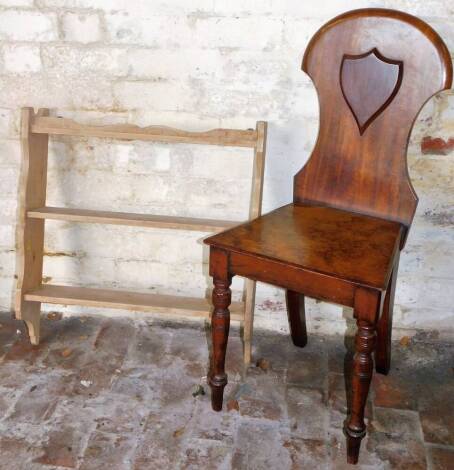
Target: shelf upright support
x,y
30,232
255,210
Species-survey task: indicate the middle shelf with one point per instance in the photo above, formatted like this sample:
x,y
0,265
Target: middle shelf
x,y
129,218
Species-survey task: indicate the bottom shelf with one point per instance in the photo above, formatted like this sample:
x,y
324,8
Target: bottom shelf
x,y
108,298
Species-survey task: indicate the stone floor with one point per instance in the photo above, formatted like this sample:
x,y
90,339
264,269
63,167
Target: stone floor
x,y
103,393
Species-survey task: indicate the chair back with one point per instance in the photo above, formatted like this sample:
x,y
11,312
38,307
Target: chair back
x,y
373,69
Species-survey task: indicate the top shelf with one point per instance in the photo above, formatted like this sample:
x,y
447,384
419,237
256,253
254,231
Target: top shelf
x,y
223,137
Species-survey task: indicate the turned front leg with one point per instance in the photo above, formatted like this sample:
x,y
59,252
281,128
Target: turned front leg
x,y
363,365
367,309
220,324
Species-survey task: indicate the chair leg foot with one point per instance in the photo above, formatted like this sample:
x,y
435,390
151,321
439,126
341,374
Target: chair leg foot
x,y
33,331
30,314
217,385
353,446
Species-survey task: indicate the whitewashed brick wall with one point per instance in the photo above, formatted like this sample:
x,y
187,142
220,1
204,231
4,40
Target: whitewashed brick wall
x,y
195,64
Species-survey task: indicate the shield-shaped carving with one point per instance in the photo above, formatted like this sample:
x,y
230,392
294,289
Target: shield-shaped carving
x,y
369,83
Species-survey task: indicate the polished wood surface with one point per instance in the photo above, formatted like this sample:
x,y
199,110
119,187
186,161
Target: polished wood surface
x,y
367,309
365,72
330,241
384,326
365,170
296,317
353,201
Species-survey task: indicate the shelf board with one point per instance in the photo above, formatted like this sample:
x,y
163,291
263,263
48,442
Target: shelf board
x,y
225,137
109,298
128,218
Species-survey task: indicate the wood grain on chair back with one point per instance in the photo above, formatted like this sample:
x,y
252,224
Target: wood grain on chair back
x,y
373,70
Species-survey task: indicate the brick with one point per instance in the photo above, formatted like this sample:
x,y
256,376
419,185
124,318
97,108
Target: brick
x,y
393,391
308,371
432,293
440,458
207,425
149,31
148,347
210,32
307,453
160,444
28,26
63,447
8,398
10,177
39,400
206,166
437,146
140,382
173,63
158,95
239,7
138,7
13,374
75,60
114,338
23,350
29,90
431,8
17,449
436,410
260,408
201,453
16,3
398,454
324,9
81,27
5,121
115,415
21,59
141,414
401,425
337,451
306,412
251,452
12,154
245,32
105,449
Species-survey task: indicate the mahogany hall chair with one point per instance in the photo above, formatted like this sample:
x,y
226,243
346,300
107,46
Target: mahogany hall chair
x,y
353,203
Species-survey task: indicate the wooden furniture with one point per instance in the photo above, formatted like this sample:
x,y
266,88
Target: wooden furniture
x,y
31,292
353,201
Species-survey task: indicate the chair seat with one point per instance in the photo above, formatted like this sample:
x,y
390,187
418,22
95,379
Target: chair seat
x,y
346,245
